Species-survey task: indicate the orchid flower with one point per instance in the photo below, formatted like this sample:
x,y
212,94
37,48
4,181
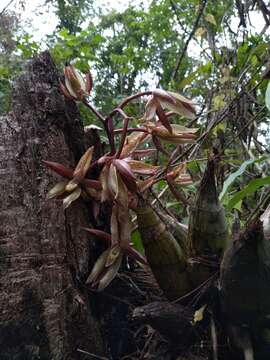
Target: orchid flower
x,y
76,184
76,87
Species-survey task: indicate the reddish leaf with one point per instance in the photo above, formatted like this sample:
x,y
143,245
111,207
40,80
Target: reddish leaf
x,y
163,118
59,168
134,254
102,235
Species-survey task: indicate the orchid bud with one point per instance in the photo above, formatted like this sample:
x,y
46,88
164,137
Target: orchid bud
x,y
77,86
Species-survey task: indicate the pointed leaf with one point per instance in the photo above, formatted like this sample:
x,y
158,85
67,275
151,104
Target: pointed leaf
x,y
59,168
233,176
102,235
250,189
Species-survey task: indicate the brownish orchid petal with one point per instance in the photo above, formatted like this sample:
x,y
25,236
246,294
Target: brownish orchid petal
x,y
181,105
88,82
137,154
142,168
129,250
114,253
57,190
75,83
124,226
93,193
71,185
59,168
115,236
164,96
72,197
163,118
177,170
91,183
150,108
83,164
65,92
99,234
133,141
179,175
98,267
145,184
126,173
180,134
112,181
110,274
103,177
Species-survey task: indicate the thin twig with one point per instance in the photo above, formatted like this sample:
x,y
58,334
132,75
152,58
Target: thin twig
x,y
186,32
133,97
94,110
5,8
92,355
183,52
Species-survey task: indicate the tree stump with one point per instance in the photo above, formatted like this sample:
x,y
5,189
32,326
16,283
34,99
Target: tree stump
x,y
45,313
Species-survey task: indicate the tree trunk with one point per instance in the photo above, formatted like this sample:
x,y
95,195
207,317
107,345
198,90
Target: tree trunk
x,y
45,257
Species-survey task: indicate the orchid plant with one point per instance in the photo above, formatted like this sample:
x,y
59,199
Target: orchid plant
x,y
124,173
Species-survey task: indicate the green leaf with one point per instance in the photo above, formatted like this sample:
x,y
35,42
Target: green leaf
x,y
210,18
137,241
250,189
200,31
229,181
267,97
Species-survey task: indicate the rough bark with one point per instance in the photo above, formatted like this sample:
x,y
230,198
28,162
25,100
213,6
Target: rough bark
x,y
44,255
